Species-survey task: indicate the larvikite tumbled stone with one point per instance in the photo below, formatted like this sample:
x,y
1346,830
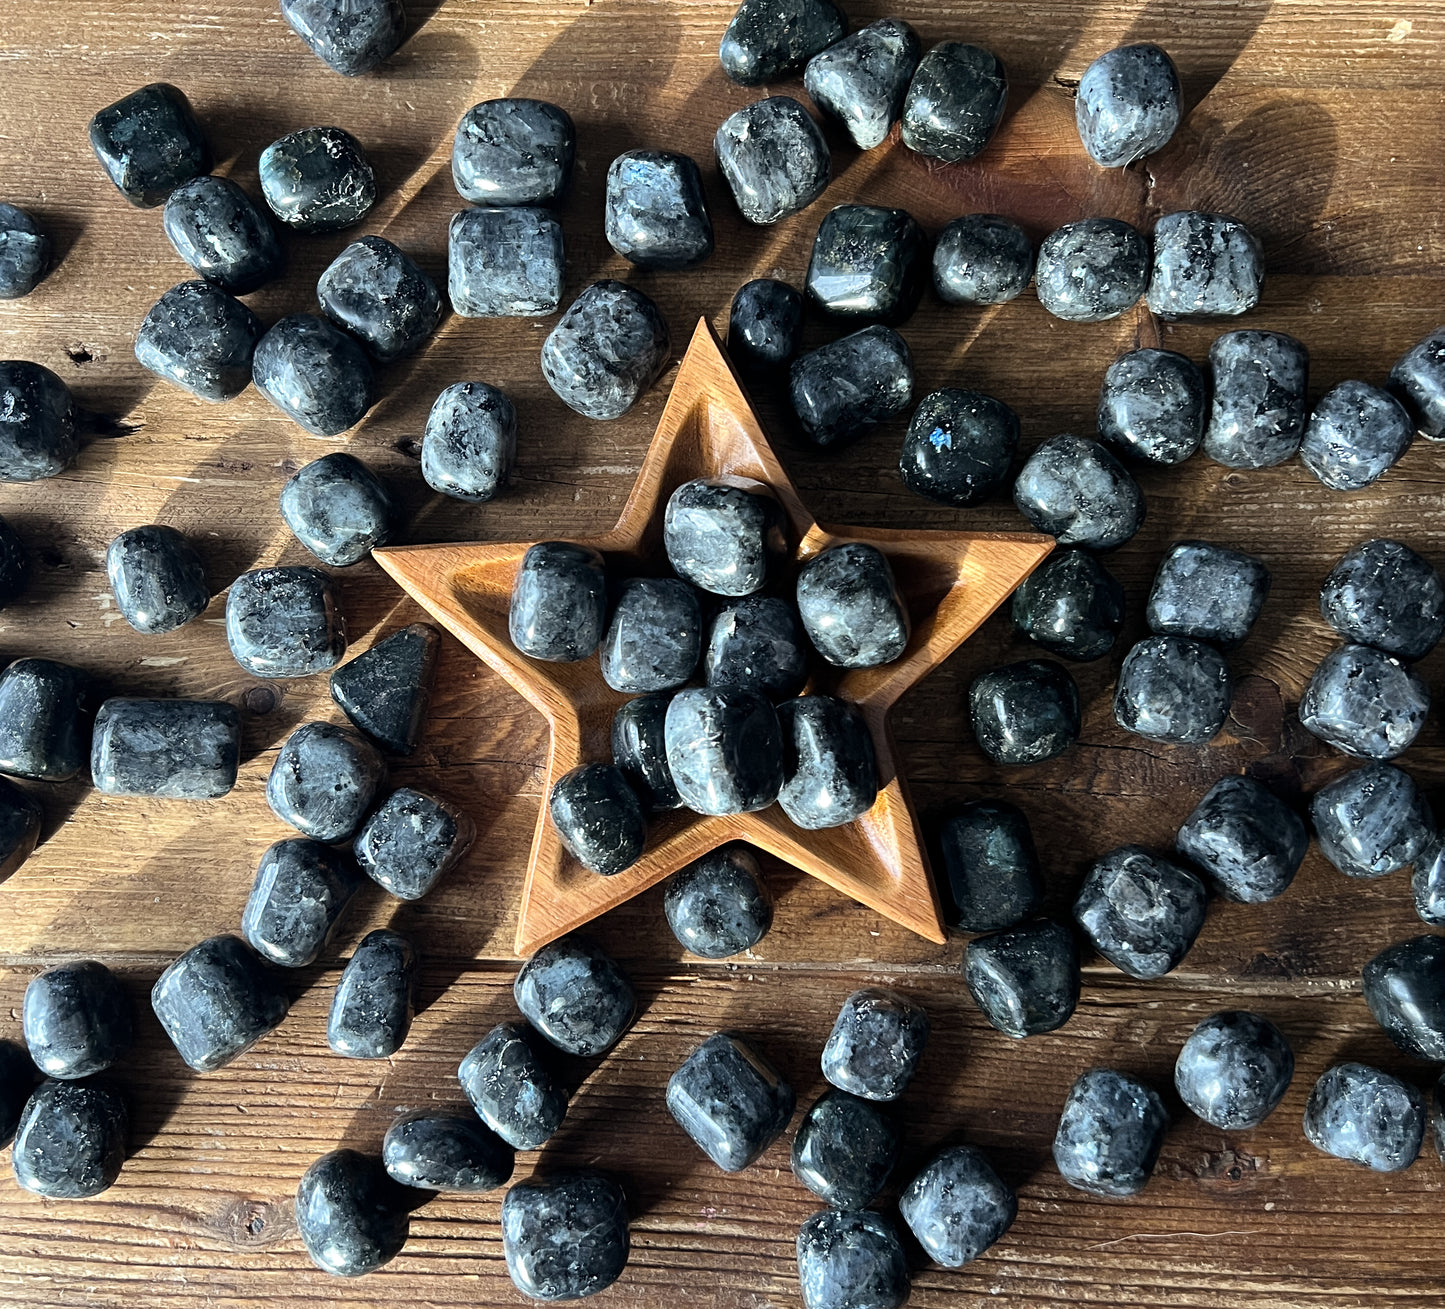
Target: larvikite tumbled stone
x,y
216,1001
1140,911
351,1216
575,996
868,262
1372,821
564,1236
1092,270
724,749
446,1152
1355,434
14,565
1204,265
386,690
324,781
989,864
1025,713
958,1206
851,606
470,443
77,1020
599,817
608,348
639,749
1152,406
505,262
20,816
157,578
199,338
314,374
1365,702
559,602
1071,605
773,158
24,253
654,637
1418,382
172,749
1024,979
1110,1133
757,642
1173,689
1234,1069
844,388
1404,985
1076,491
1246,838
768,39
1128,104
954,102
844,1149
378,294
851,1259
338,509
719,905
1365,1116
371,1008
862,79
45,720
1384,594
830,768
409,843
765,325
301,891
221,233
982,259
351,36
1257,412
283,622
70,1141
1207,592
656,214
1427,883
725,535
875,1045
730,1100
37,423
509,1080
17,1081
317,180
959,446
149,142
513,152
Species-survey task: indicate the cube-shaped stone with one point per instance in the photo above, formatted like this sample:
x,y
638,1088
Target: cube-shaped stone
x,y
1024,979
726,535
1025,713
199,338
149,142
958,1206
1404,985
513,152
1418,382
607,349
758,642
1234,1069
414,838
849,1258
505,262
830,768
1257,413
767,39
77,1020
564,1236
1246,838
283,622
1372,821
1204,265
1128,104
385,691
1365,702
1152,406
765,326
371,1008
851,606
868,262
301,891
844,1149
1173,689
1076,491
378,294
223,234
70,1141
982,259
351,36
171,749
1071,605
45,720
1140,911
990,868
318,179
1207,592
773,158
844,388
1384,594
1365,1116
599,818
656,215
216,1001
509,1079
324,781
558,608
639,749
875,1045
1092,270
861,80
338,509
38,438
25,253
959,446
314,374
1355,435
654,637
730,1100
351,1216
954,102
157,578
575,996
724,749
719,905
446,1152
1110,1133
469,446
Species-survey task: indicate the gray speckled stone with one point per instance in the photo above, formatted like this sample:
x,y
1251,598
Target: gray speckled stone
x,y
199,338
851,606
385,691
1404,985
958,1206
759,643
1071,605
283,622
446,1152
1152,406
1384,594
1356,434
17,1081
70,1141
1204,265
1092,270
982,259
1128,104
959,446
730,1100
656,214
1366,703
45,720
851,1259
37,423
1024,713
844,388
575,996
765,325
654,637
868,262
1025,979
324,781
378,294
172,749
599,818
1173,689
606,351
875,1045
338,509
216,1001
1110,1133
862,79
371,1008
767,39
1140,911
1246,838
149,142
955,102
470,444
725,535
351,36
25,253
830,769
314,374
351,1216
157,578
505,262
559,602
221,233
719,905
409,843
513,152
773,158
1367,1117
1418,382
20,816
509,1080
564,1236
77,1020
1372,821
724,749
844,1149
1257,411
1427,883
1207,592
301,891
1233,1070
1076,491
639,749
317,179
14,565
989,865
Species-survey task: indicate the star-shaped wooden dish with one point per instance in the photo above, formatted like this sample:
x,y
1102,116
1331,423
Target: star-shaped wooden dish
x,y
952,581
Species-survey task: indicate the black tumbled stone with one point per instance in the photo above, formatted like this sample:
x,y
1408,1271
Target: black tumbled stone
x,y
317,179
216,1001
768,39
724,749
509,1080
1173,689
654,636
1365,702
45,720
283,622
301,891
445,1152
765,325
1024,979
564,1235
157,578
199,338
1025,713
1152,406
559,602
982,259
851,1259
725,535
1110,1133
830,768
959,446
1365,1116
656,215
757,642
221,233
37,423
1233,1070
351,36
773,158
324,781
314,374
1372,821
844,1149
20,816
719,905
338,509
77,1020
70,1141
1246,838
1404,985
371,1008
172,749
861,80
1092,270
25,253
730,1100
1128,104
14,565
1140,911
875,1045
606,350
989,865
470,443
1076,491
149,142
639,749
954,102
1384,594
1355,434
378,294
1427,883
17,1081
385,691
844,388
513,152
1204,265
867,262
1071,605
851,607
414,838
351,1216
1418,381
958,1206
1207,592
599,818
1257,413
505,262
575,996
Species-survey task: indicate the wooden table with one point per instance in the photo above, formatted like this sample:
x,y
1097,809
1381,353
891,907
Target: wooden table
x,y
1318,122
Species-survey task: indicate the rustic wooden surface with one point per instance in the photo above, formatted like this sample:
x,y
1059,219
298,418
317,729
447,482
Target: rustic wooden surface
x,y
1317,121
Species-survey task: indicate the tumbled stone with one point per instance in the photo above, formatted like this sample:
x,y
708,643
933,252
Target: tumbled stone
x,y
1173,689
851,1259
351,36
77,1020
726,535
868,262
17,1080
1246,838
1372,821
599,818
875,1045
851,606
508,1078
559,602
314,374
730,1100
757,642
409,843
1110,1133
1367,1117
654,637
172,749
317,180
575,996
656,215
608,348
1233,1070
1384,594
954,102
505,262
351,1216
301,891
719,905
989,865
1076,491
1204,265
1418,382
724,749
149,142
371,1008
385,691
513,152
862,79
1152,406
1364,702
844,388
844,1149
765,326
470,444
1207,592
37,423
324,781
1355,434
773,158
283,622
639,749
45,720
1024,979
830,768
378,294
1404,985
982,259
221,233
338,509
1427,883
70,1141
24,253
1140,911
564,1236
768,39
1128,104
14,565
157,578
216,1001
1071,605
199,338
958,1206
20,816
1092,270
1025,713
446,1152
1257,411
959,446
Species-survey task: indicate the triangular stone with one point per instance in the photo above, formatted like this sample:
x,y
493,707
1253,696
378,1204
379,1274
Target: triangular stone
x,y
385,691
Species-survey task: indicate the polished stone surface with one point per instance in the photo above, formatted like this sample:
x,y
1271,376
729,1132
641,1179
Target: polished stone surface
x,y
1418,382
1404,985
378,294
505,262
1204,265
1427,883
844,388
875,1045
1152,406
1173,689
17,1081
759,643
730,1100
171,749
559,602
470,444
412,841
1072,488
606,351
599,818
655,214
70,1141
830,768
157,578
20,817
765,326
1071,605
564,1234
216,1001
371,1008
1355,435
724,749
1092,270
38,437
868,263
385,692
446,1152
959,446
719,905
639,749
1207,592
509,1079
352,36
284,622
1024,979
982,259
773,158
338,509
862,79
654,637
1140,911
14,565
958,1206
575,996
301,891
199,338
1372,821
77,1020
317,180
513,152
954,102
725,535
1259,402
25,253
768,39
851,1259
324,781
223,234
1233,1070
351,1216
314,374
990,869
851,607
1024,713
1128,104
1110,1133
1246,838
1365,1116
45,720
149,142
844,1149
1384,594
1366,703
